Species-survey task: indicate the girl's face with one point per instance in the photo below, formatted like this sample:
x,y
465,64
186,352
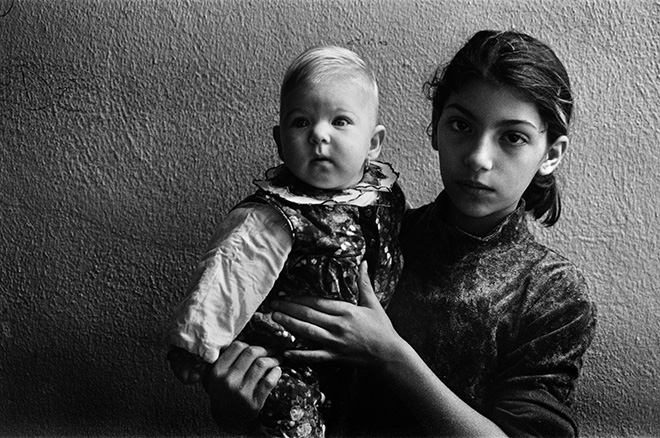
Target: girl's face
x,y
490,143
327,131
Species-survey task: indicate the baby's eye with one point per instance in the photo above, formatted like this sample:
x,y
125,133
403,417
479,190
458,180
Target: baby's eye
x,y
341,121
299,123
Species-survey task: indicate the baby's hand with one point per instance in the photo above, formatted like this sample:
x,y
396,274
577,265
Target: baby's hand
x,y
187,367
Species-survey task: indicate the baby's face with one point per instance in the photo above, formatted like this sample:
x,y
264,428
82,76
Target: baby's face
x,y
327,131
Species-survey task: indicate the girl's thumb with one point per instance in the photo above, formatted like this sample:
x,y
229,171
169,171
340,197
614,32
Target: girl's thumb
x,y
367,295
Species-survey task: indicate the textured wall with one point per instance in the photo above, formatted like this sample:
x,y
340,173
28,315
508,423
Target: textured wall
x,y
127,128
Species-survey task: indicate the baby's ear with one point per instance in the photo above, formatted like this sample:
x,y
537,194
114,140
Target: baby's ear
x,y
553,156
278,140
376,142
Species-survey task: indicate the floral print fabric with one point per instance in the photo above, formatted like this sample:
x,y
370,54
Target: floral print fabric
x,y
333,232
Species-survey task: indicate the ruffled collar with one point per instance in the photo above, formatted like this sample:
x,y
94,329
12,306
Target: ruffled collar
x,y
378,177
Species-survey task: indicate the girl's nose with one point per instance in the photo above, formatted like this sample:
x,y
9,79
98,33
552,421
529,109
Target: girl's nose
x,y
480,156
319,134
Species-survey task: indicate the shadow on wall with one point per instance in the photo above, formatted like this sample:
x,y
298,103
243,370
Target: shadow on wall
x,y
129,128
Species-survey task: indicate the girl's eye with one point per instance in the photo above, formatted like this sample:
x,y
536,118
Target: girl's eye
x,y
514,139
458,125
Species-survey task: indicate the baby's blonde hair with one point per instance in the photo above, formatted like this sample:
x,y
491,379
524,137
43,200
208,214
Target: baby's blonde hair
x,y
319,63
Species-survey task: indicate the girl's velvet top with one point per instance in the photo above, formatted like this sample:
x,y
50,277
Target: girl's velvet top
x,y
502,320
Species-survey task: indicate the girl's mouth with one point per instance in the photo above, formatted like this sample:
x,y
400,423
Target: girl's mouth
x,y
474,185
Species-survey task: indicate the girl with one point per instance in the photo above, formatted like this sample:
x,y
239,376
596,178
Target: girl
x,y
487,329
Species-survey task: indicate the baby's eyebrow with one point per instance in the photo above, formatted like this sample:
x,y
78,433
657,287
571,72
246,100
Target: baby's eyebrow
x,y
294,111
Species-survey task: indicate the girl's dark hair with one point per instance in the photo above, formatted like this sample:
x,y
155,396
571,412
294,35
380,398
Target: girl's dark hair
x,y
531,69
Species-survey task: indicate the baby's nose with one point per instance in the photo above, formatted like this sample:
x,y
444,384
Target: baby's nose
x,y
320,134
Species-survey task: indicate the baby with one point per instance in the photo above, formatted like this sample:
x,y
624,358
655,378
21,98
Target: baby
x,y
305,231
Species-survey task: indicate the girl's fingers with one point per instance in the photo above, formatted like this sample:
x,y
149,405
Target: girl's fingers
x,y
323,305
300,312
266,385
250,355
234,364
315,330
367,297
311,356
258,370
228,356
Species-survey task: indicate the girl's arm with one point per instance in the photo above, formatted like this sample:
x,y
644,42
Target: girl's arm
x,y
363,335
539,365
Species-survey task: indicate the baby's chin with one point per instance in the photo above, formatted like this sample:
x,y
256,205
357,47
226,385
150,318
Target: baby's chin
x,y
330,183
333,185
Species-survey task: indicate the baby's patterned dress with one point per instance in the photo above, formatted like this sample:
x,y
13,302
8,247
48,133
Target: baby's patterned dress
x,y
333,232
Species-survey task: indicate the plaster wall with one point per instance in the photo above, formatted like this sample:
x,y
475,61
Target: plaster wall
x,y
127,128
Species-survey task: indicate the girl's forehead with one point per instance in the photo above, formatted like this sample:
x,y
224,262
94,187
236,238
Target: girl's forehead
x,y
483,99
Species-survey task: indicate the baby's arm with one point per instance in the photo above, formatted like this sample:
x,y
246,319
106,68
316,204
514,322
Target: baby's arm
x,y
244,259
187,367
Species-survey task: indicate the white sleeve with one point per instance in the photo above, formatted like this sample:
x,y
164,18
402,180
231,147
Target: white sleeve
x,y
244,259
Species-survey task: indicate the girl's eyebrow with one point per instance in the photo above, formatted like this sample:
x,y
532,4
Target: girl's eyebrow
x,y
503,123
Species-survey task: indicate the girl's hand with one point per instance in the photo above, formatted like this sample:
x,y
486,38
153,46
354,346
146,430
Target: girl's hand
x,y
361,335
239,383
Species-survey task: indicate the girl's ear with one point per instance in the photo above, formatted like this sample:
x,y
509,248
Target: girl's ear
x,y
278,140
553,156
376,142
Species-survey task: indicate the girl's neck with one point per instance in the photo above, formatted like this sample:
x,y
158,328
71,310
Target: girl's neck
x,y
476,226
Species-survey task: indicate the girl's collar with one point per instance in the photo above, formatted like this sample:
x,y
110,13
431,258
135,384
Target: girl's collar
x,y
378,177
512,225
